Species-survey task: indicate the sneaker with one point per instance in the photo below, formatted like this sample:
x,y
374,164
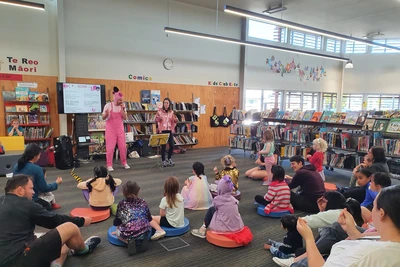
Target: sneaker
x,y
283,262
91,243
266,183
127,167
110,169
270,242
55,206
145,244
132,247
198,233
171,163
165,163
158,235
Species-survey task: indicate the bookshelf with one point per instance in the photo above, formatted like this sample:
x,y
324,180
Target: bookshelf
x,y
32,110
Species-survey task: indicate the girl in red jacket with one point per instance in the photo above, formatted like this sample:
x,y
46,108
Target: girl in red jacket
x,y
317,159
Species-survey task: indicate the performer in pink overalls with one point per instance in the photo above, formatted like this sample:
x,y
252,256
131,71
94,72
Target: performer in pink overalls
x,y
114,113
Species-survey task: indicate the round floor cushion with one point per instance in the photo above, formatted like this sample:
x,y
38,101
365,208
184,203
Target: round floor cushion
x,y
113,239
277,214
171,231
237,195
330,187
96,215
221,241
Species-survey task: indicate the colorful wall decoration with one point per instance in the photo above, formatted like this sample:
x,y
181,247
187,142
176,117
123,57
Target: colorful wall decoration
x,y
306,73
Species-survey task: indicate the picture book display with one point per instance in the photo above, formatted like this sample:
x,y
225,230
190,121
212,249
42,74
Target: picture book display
x,y
326,116
308,115
380,125
351,117
393,126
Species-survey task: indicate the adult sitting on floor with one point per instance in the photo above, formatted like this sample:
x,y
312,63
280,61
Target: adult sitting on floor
x,y
19,215
383,252
312,186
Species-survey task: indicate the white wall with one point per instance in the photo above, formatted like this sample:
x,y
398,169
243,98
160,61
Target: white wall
x,y
373,73
259,74
30,34
112,39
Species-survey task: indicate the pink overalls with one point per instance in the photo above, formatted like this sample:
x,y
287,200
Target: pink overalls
x,y
115,134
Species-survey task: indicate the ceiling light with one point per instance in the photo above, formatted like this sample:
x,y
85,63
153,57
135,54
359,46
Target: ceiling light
x,y
21,3
297,26
248,43
349,64
275,10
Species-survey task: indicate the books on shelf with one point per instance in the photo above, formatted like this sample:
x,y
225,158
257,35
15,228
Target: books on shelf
x,y
326,116
380,125
316,116
351,117
361,119
294,114
393,125
21,108
21,93
368,124
9,96
280,114
96,122
308,115
11,109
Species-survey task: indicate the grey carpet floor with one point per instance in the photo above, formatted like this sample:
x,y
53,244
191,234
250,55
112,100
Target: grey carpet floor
x,y
151,181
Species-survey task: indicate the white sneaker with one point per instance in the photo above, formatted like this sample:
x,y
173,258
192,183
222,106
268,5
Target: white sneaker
x,y
110,169
127,167
283,262
158,235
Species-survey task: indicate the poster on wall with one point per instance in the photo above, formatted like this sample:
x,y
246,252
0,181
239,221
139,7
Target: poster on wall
x,y
155,96
145,96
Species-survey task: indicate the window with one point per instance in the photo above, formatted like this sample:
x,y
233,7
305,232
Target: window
x,y
332,45
351,102
272,99
253,100
305,40
265,31
310,101
378,49
329,101
293,100
383,102
356,48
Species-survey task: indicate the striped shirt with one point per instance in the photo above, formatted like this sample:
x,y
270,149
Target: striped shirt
x,y
279,196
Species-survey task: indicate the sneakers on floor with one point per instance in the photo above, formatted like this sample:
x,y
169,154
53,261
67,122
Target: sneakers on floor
x,y
126,167
199,232
266,183
283,262
158,235
91,243
165,163
110,169
171,163
55,206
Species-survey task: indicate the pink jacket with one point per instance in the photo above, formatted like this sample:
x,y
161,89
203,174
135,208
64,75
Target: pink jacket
x,y
166,121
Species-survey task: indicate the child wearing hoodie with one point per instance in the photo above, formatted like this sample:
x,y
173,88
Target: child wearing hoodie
x,y
224,217
101,188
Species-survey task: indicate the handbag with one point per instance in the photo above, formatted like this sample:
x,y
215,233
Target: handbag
x,y
224,120
214,119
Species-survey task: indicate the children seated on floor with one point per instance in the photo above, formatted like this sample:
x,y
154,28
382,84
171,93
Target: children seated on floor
x,y
49,196
101,188
368,160
224,217
133,219
278,196
196,193
172,211
229,164
291,241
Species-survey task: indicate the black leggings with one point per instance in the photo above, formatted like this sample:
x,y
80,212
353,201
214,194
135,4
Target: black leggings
x,y
171,146
261,200
209,215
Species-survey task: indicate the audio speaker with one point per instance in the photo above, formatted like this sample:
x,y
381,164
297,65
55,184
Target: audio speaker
x,y
63,152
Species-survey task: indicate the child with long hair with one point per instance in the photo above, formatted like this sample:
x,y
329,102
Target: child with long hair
x,y
278,196
266,160
229,164
224,217
133,219
291,241
195,193
317,159
172,211
49,196
101,188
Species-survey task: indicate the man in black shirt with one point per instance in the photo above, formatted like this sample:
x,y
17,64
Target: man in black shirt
x,y
18,217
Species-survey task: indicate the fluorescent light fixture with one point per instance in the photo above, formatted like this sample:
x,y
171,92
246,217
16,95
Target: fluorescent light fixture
x,y
275,10
297,26
349,64
23,4
248,43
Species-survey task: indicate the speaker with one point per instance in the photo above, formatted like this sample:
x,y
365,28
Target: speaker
x,y
63,152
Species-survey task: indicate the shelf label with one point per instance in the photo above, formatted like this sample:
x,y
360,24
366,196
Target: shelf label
x,y
29,85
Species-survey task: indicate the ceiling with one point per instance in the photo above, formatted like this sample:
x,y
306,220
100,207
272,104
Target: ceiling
x,y
351,17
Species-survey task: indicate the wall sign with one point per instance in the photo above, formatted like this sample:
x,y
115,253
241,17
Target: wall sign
x,y
29,85
10,77
22,64
223,84
139,77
